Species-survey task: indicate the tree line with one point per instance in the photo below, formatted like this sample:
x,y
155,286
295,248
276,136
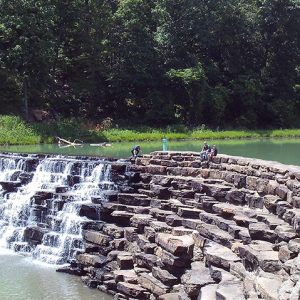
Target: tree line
x,y
222,63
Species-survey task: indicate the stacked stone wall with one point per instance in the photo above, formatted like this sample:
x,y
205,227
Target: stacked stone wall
x,y
184,229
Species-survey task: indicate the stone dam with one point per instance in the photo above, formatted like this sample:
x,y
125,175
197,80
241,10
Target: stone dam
x,y
163,226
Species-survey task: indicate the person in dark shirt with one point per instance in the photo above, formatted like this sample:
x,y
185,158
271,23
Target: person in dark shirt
x,y
135,151
206,147
205,151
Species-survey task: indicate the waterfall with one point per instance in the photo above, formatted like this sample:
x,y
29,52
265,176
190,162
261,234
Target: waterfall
x,y
45,201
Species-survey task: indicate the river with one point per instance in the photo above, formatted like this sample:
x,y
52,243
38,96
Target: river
x,y
22,278
282,150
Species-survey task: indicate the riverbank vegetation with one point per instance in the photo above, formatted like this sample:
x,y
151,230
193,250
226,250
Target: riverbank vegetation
x,y
225,64
14,130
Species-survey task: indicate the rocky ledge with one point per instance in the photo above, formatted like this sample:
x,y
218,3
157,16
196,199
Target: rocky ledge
x,y
184,229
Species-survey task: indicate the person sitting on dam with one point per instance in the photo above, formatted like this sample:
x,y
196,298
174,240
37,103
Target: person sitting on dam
x,y
135,151
212,153
205,151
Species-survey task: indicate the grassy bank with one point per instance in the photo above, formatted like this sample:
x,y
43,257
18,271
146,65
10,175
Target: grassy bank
x,y
13,130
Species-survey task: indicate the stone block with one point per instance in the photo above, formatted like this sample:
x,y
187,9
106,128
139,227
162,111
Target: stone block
x,y
294,245
173,220
220,256
145,260
164,276
125,262
177,245
282,191
255,201
96,237
140,221
160,226
208,292
215,234
130,234
230,290
125,276
189,213
96,261
285,254
260,231
160,214
236,196
133,199
259,254
171,261
34,234
169,296
270,202
160,191
268,287
152,284
131,290
194,280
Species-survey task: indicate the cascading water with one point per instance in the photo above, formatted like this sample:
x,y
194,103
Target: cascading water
x,y
43,214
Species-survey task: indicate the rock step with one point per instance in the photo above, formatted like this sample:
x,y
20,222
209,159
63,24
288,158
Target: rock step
x,y
133,199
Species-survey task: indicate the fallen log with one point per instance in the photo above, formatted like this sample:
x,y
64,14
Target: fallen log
x,y
64,141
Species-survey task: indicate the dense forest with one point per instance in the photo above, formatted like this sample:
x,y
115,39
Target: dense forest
x,y
222,63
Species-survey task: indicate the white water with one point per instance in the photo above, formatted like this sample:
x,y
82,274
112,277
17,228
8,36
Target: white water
x,y
58,214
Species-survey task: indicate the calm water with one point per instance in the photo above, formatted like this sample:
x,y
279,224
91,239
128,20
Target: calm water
x,y
25,279
282,150
22,278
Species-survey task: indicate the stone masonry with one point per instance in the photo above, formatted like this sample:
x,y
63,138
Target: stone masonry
x,y
183,229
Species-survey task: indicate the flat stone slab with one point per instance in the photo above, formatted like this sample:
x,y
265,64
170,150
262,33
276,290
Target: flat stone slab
x,y
177,245
96,237
220,256
230,290
91,260
215,234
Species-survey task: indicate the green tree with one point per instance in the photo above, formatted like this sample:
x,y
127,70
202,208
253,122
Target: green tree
x,y
26,46
280,23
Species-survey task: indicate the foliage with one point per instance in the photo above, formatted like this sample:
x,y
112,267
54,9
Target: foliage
x,y
13,130
227,64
